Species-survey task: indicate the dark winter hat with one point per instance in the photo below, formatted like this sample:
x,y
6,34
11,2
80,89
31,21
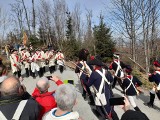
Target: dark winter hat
x,y
13,50
83,53
134,115
128,69
94,61
157,63
23,49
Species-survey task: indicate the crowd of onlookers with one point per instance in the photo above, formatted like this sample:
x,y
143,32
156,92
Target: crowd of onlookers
x,y
16,103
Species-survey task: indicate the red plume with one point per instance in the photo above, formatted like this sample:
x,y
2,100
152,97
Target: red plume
x,y
92,58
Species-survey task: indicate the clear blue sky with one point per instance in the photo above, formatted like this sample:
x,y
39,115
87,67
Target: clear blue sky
x,y
96,6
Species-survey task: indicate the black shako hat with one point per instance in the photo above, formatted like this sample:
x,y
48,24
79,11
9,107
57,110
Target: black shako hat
x,y
83,53
95,61
128,69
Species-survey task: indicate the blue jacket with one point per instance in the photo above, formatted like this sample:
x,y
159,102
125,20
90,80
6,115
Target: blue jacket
x,y
131,91
155,77
95,80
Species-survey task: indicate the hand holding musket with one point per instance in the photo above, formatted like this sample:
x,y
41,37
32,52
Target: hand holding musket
x,y
50,57
46,61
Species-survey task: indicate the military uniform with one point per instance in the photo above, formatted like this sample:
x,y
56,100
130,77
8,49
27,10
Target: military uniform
x,y
60,60
15,63
40,61
117,66
101,79
25,59
155,77
34,64
129,86
84,79
50,56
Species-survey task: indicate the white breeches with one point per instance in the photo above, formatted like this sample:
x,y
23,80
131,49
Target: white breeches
x,y
26,65
131,100
43,64
14,69
153,91
60,62
51,63
34,67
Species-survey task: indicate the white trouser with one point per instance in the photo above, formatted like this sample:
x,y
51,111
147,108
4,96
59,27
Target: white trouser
x,y
34,67
153,90
60,62
43,64
51,62
131,100
26,64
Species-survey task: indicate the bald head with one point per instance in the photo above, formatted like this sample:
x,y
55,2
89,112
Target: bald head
x,y
10,86
43,85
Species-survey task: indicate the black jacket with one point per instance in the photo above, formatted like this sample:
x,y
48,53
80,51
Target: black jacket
x,y
9,104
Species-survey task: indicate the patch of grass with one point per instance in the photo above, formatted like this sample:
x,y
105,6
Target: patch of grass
x,y
144,79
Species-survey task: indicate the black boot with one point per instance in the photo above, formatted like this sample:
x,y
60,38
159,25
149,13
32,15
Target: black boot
x,y
44,70
27,72
61,68
91,100
19,73
137,108
39,73
30,72
150,103
114,82
53,68
50,70
33,75
84,94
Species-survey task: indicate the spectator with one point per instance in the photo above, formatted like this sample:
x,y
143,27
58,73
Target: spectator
x,y
1,61
3,73
11,92
65,96
130,114
42,95
3,70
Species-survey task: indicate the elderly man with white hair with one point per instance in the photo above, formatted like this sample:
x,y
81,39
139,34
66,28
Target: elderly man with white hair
x,y
43,97
65,97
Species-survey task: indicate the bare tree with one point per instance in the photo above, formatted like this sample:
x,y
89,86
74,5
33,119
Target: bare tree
x,y
127,14
26,15
4,25
89,39
77,21
17,15
34,18
59,17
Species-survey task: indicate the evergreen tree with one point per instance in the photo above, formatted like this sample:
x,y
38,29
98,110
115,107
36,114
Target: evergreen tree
x,y
104,44
71,43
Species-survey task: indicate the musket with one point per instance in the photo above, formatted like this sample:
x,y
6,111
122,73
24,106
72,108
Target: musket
x,y
138,64
85,72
